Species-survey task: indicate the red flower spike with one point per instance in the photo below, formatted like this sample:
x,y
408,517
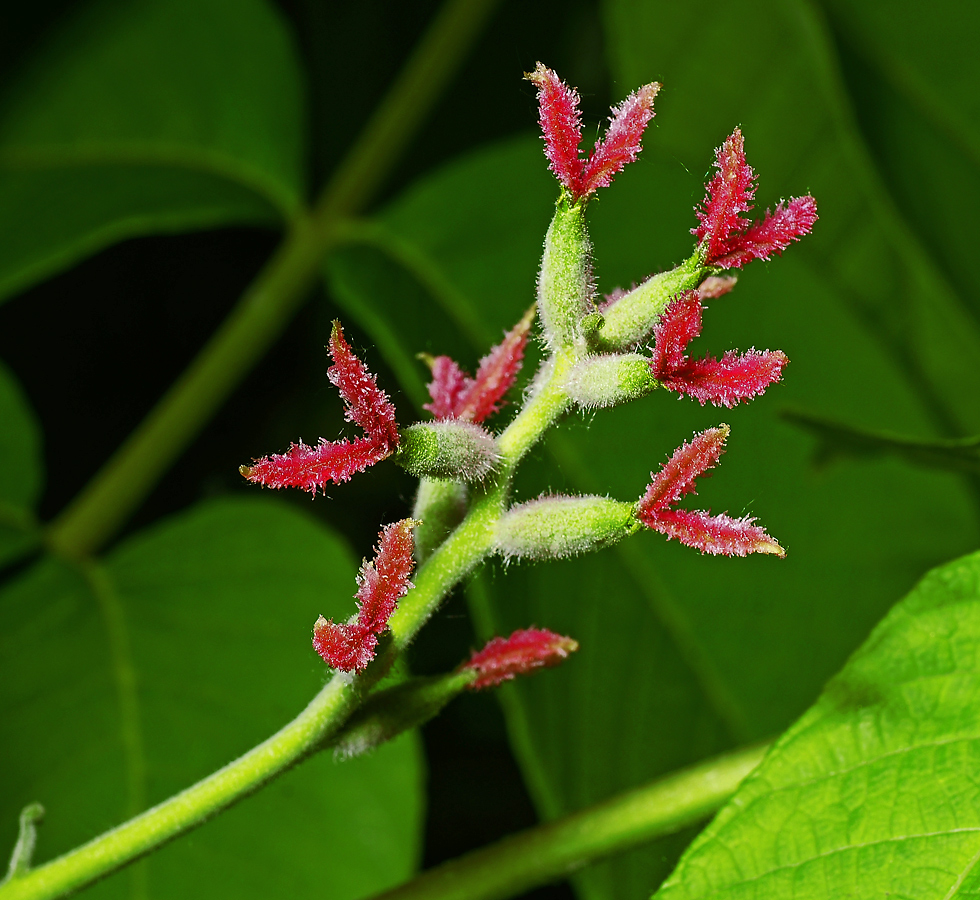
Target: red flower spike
x,y
309,468
678,475
722,382
728,239
561,125
727,381
366,404
449,384
678,326
384,581
457,396
729,194
773,234
719,534
621,144
524,651
350,646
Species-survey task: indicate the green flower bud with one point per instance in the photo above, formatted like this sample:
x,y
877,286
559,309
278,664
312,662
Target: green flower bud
x,y
610,379
565,283
451,449
554,527
630,320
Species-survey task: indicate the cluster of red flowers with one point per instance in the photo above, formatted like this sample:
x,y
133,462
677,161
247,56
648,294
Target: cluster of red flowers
x,y
726,240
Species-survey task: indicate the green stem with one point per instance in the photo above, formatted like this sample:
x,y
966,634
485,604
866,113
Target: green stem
x,y
325,715
552,851
270,302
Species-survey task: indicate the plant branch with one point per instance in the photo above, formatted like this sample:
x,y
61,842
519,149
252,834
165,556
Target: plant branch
x,y
552,851
272,299
459,554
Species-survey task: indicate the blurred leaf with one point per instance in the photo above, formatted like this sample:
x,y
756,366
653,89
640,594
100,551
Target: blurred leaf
x,y
872,793
186,648
145,117
912,75
21,468
772,68
704,652
840,440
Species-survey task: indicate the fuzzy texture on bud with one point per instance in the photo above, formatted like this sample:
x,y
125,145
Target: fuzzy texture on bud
x,y
726,238
561,129
629,317
524,651
457,396
453,449
609,379
565,283
365,404
350,646
725,382
555,527
719,534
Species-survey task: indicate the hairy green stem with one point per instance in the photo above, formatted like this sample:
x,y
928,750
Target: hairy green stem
x,y
270,302
462,551
552,851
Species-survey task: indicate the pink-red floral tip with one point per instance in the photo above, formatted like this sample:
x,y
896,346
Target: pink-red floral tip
x,y
365,404
722,382
729,240
455,395
697,528
350,646
561,127
523,652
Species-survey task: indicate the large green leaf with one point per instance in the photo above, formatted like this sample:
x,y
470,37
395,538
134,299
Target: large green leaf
x,y
21,468
712,651
872,793
189,645
147,116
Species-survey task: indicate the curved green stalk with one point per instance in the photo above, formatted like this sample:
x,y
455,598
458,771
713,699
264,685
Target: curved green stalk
x,y
270,302
464,549
552,851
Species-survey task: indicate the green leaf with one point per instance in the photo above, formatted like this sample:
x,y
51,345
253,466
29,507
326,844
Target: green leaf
x,y
188,646
21,469
146,117
911,76
714,651
872,792
840,440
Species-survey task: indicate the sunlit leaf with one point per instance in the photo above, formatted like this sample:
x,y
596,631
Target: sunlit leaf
x,y
872,793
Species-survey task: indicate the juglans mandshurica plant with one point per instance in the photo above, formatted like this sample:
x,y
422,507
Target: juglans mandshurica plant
x,y
599,352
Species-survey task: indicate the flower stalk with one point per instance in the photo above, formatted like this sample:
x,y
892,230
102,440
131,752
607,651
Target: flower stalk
x,y
467,473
